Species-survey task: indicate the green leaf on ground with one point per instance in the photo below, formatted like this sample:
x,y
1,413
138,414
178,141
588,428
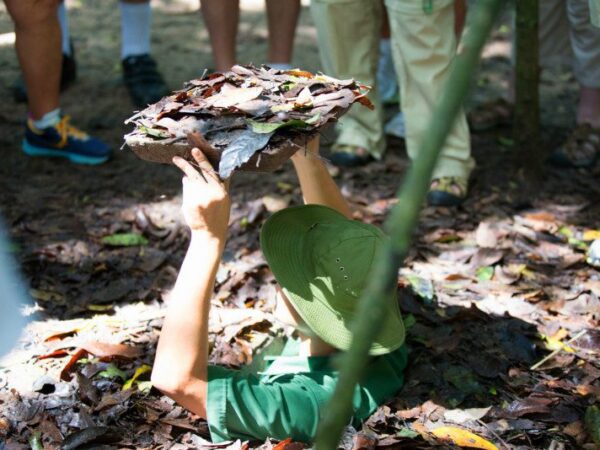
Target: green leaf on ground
x,y
407,433
35,441
409,321
144,386
463,379
124,240
422,287
485,273
138,372
113,371
506,142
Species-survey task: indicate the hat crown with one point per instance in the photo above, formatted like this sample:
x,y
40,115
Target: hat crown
x,y
344,257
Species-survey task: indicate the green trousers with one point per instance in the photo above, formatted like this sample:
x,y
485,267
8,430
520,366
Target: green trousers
x,y
423,45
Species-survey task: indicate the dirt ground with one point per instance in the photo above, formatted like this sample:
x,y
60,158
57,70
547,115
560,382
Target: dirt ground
x,y
489,289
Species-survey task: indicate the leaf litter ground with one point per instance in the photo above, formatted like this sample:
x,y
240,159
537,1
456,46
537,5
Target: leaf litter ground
x,y
488,291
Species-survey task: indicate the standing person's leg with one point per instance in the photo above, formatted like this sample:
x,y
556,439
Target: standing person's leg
x,y
221,18
583,146
282,17
38,48
69,67
585,41
554,50
348,38
47,132
140,74
424,46
460,14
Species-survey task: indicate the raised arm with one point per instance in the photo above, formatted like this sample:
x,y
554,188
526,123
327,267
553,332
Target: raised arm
x,y
180,366
315,181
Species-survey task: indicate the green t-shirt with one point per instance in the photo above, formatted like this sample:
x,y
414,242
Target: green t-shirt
x,y
286,400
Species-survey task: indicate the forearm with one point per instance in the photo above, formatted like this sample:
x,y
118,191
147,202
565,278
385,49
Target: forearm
x,y
316,183
180,367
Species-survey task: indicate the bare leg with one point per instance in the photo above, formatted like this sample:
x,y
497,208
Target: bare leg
x,y
588,110
38,44
282,16
460,13
221,18
385,23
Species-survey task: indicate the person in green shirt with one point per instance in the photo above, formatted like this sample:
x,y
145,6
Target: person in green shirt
x,y
321,260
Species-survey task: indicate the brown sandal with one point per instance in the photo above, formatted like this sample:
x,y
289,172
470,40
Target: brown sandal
x,y
490,115
581,148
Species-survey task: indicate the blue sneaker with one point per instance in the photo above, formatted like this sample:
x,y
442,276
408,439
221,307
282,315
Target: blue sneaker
x,y
64,141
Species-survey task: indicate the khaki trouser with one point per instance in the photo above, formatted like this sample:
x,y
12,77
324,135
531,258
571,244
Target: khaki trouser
x,y
348,39
566,32
424,46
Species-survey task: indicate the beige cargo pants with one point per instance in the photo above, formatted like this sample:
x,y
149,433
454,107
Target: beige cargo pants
x,y
423,44
567,35
348,38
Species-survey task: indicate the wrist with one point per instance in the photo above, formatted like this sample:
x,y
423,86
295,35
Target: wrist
x,y
303,159
203,238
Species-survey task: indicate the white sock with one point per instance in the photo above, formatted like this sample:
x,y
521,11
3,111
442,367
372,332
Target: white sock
x,y
136,21
63,19
49,119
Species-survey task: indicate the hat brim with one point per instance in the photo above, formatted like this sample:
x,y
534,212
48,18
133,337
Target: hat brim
x,y
288,251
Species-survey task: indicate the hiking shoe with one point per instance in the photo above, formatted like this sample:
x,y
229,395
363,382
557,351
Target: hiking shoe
x,y
64,141
67,78
144,83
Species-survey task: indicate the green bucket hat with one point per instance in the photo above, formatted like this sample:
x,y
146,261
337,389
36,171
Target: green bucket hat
x,y
323,261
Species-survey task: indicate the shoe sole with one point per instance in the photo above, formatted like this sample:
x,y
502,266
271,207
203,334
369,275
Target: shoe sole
x,y
440,198
33,150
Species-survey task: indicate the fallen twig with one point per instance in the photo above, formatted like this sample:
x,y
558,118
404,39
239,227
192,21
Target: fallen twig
x,y
557,351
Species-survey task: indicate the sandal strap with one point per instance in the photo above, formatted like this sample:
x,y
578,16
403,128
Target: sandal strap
x,y
351,149
452,185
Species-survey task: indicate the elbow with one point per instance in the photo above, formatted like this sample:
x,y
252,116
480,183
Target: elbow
x,y
168,383
189,392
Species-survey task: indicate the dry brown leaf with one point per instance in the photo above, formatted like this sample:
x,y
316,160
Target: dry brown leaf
x,y
364,441
59,353
486,236
274,203
65,373
541,216
231,96
104,350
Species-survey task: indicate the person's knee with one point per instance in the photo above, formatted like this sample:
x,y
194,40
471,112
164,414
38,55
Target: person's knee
x,y
31,13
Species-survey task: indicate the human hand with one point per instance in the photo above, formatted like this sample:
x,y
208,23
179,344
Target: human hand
x,y
206,203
